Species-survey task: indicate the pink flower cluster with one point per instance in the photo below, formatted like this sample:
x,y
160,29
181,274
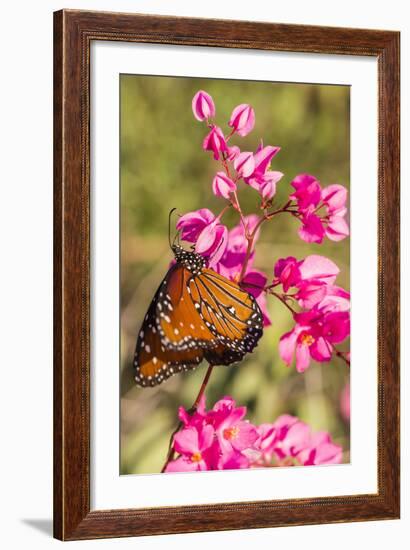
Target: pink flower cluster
x,y
252,168
221,439
326,318
321,211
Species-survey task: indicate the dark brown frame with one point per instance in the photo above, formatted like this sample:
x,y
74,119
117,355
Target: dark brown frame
x,y
73,33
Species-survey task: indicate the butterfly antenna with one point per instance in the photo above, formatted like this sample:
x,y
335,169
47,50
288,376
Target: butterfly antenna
x,y
169,228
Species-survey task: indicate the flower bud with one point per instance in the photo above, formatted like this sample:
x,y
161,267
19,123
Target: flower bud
x,y
215,141
242,119
203,106
222,185
244,164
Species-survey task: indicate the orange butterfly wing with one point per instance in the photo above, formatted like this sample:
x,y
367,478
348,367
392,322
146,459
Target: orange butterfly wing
x,y
195,316
164,346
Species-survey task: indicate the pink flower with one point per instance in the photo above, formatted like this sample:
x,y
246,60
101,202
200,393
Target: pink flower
x,y
232,432
334,197
215,142
312,230
203,106
311,199
287,272
222,439
244,164
242,119
290,442
232,152
321,450
317,275
262,179
206,231
193,223
230,264
254,282
195,448
222,186
263,157
313,337
212,241
307,191
314,278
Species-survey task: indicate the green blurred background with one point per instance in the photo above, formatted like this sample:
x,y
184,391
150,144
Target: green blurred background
x,y
163,166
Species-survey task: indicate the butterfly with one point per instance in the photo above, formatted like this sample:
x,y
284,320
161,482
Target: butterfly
x,y
195,314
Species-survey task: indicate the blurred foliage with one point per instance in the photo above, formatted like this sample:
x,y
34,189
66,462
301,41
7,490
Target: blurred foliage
x,y
163,166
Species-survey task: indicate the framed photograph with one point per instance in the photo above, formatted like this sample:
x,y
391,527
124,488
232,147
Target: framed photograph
x,y
226,275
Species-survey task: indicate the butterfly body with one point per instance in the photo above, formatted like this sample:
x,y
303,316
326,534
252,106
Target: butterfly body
x,y
196,314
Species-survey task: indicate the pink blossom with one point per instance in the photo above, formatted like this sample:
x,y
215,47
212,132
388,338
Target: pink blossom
x,y
205,230
262,179
321,450
313,336
193,223
222,186
307,191
232,152
334,198
254,282
203,106
313,277
263,157
222,439
215,142
311,199
244,164
317,275
287,272
312,230
290,442
318,267
211,242
242,119
230,264
195,448
233,433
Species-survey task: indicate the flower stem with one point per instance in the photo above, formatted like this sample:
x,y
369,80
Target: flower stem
x,y
283,300
342,355
171,450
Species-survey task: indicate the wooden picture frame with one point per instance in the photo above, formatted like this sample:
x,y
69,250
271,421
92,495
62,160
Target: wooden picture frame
x,y
74,32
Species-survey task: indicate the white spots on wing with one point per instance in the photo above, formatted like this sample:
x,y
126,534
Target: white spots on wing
x,y
181,324
167,319
197,306
154,330
142,334
176,331
147,348
159,306
232,310
154,360
192,326
170,307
